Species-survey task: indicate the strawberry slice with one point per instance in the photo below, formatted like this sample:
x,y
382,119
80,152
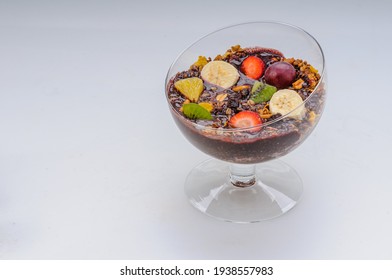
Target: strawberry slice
x,y
246,119
253,67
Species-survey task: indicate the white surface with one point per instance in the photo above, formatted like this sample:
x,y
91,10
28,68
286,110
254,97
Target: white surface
x,y
92,165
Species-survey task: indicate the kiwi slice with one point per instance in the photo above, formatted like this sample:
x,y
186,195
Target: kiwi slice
x,y
196,112
262,92
257,87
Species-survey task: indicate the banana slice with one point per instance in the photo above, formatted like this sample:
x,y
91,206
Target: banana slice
x,y
220,73
284,101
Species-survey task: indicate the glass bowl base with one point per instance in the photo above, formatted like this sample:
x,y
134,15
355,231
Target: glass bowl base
x,y
277,188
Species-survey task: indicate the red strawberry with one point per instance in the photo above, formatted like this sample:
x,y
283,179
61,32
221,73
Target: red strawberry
x,y
246,119
253,67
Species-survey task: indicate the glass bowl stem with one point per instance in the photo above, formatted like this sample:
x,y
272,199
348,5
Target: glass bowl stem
x,y
242,175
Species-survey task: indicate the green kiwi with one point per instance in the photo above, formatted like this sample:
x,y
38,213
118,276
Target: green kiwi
x,y
196,112
262,92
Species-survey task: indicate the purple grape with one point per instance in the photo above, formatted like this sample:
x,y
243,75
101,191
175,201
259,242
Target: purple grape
x,y
280,74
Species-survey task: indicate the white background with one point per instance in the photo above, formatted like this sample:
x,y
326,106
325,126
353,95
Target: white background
x,y
92,166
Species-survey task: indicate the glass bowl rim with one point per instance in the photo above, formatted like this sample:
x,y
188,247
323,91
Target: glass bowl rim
x,y
250,128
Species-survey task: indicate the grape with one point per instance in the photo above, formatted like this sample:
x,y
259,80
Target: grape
x,y
280,74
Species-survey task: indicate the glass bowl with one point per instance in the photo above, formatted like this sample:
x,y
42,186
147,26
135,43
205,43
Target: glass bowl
x,y
244,181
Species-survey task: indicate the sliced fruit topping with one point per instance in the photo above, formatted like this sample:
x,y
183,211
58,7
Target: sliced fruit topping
x,y
253,67
207,106
280,74
220,73
246,119
262,92
190,88
257,86
285,101
196,112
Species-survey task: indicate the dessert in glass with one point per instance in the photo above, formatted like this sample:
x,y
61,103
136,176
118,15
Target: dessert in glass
x,y
246,95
